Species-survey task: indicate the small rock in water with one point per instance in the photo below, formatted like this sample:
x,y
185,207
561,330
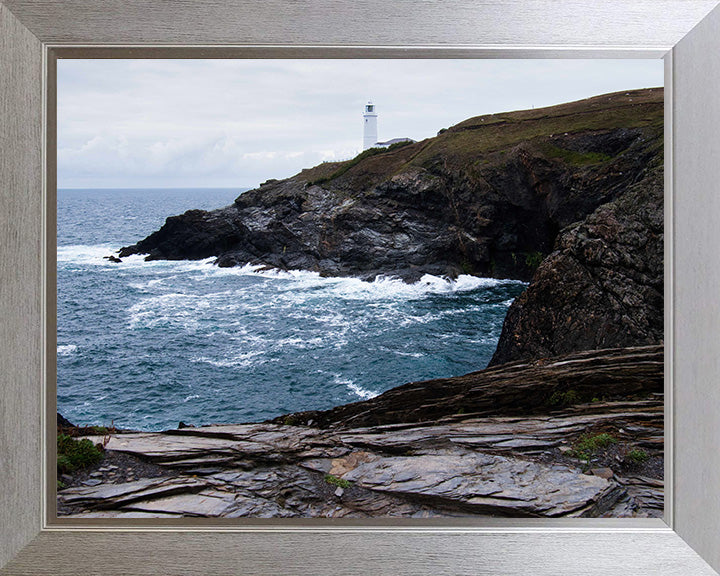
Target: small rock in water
x,y
97,474
92,482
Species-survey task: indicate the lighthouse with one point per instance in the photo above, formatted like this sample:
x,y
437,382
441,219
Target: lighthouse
x,y
370,126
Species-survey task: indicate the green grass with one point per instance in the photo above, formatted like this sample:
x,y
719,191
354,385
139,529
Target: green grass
x,y
487,139
637,456
572,157
75,454
562,399
335,481
345,166
588,445
486,134
533,260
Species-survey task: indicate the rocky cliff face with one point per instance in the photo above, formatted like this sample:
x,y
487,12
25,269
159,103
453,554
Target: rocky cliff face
x,y
601,286
488,197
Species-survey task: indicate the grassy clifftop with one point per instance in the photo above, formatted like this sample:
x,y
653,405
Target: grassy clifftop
x,y
472,143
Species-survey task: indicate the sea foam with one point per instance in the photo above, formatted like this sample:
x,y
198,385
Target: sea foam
x,y
349,287
66,350
361,392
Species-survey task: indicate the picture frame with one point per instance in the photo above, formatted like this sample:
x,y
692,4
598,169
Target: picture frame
x,y
684,32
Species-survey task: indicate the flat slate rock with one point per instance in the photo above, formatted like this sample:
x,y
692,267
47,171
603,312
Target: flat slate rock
x,y
455,465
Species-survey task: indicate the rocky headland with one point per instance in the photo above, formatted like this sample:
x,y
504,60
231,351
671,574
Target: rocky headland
x,y
568,418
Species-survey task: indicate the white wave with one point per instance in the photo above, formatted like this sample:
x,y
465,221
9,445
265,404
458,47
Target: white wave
x,y
410,354
151,283
384,287
239,361
300,343
97,254
191,397
387,287
264,272
294,281
175,309
66,350
176,266
359,391
83,254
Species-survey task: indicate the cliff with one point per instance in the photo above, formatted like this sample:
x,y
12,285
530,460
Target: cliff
x,y
601,286
486,196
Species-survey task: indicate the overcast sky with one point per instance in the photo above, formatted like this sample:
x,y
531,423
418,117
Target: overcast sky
x,y
236,123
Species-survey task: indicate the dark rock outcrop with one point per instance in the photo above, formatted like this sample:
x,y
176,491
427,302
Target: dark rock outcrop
x,y
63,423
602,285
514,389
487,196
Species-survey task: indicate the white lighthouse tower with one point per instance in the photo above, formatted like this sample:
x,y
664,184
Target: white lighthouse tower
x,y
370,122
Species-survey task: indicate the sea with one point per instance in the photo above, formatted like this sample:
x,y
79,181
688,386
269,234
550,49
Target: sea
x,y
147,345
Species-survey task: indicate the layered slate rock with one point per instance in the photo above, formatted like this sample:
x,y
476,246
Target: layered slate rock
x,y
451,465
527,387
485,483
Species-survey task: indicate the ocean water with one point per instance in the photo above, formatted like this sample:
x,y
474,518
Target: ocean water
x,y
149,344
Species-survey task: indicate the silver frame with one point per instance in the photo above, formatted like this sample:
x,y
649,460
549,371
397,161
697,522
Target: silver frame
x,y
33,36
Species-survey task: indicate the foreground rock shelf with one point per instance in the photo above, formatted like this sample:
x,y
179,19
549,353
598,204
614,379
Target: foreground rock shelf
x,y
455,464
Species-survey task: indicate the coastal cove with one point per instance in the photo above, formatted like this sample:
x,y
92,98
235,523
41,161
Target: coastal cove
x,y
401,264
146,345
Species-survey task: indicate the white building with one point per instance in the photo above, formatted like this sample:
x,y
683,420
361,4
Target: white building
x,y
391,142
370,139
370,126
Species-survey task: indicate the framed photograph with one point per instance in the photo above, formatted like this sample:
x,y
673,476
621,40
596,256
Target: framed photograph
x,y
347,264
156,529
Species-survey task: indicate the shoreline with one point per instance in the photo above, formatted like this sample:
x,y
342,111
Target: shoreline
x,y
366,459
